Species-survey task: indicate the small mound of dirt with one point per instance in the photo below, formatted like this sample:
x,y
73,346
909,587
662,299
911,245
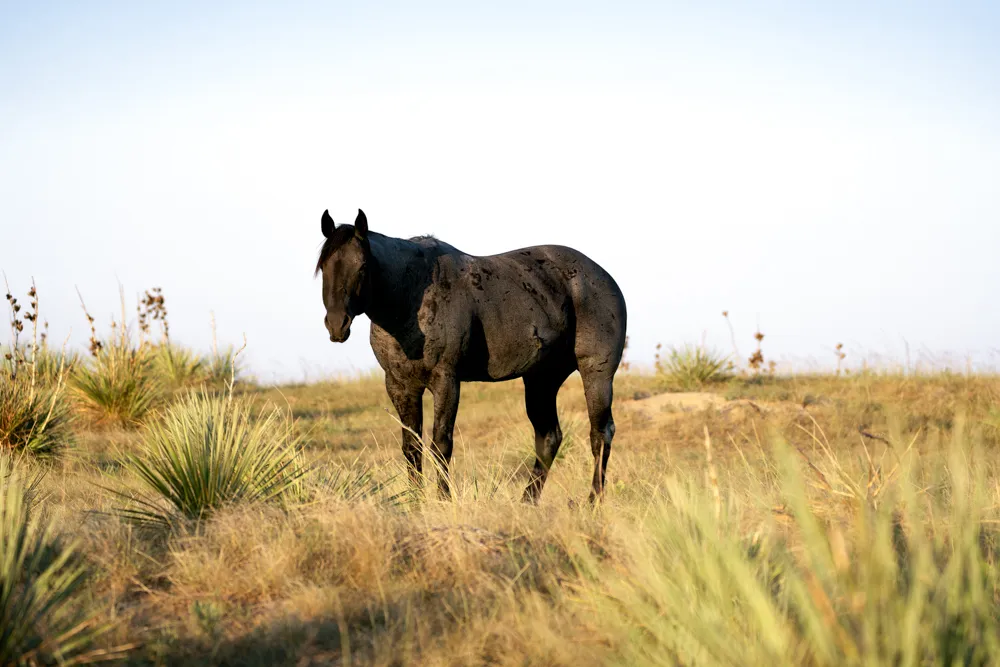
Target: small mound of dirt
x,y
688,401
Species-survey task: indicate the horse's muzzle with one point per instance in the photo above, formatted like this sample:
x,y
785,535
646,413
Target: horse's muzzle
x,y
339,334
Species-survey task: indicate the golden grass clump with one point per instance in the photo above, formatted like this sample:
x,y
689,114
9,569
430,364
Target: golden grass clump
x,y
117,386
35,417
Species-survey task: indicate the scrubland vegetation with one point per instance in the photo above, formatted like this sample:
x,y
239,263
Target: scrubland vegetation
x,y
155,508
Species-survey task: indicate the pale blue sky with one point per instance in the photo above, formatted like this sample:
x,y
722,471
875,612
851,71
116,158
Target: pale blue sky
x,y
831,172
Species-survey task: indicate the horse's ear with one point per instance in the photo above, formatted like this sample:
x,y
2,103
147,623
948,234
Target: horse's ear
x,y
327,224
361,225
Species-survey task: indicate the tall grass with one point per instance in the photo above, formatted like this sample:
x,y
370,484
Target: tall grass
x,y
41,579
34,415
210,451
354,483
851,556
118,386
911,580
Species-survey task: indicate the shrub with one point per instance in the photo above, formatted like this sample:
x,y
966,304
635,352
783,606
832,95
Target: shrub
x,y
177,367
49,368
32,420
693,366
40,578
210,451
53,368
118,386
221,368
34,417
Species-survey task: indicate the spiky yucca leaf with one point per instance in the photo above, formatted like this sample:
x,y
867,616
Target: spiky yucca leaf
x,y
39,581
221,368
50,368
33,420
118,386
208,452
178,368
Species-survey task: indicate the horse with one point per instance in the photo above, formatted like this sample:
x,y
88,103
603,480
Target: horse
x,y
441,317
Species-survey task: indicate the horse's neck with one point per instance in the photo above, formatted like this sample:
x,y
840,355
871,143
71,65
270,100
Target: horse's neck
x,y
401,270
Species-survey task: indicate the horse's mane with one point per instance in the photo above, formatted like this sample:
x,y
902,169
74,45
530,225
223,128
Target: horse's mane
x,y
340,236
344,233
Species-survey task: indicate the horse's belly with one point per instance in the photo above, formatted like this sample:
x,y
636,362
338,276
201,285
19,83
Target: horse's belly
x,y
495,371
511,353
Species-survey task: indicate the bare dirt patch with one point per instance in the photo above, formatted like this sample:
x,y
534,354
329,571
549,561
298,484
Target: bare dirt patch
x,y
670,403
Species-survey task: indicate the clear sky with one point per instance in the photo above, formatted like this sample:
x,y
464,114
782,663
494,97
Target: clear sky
x,y
831,170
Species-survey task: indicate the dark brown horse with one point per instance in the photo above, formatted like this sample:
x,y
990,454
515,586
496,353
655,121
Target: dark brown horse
x,y
441,317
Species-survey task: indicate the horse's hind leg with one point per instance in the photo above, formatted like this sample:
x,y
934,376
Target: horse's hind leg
x,y
598,388
540,391
446,389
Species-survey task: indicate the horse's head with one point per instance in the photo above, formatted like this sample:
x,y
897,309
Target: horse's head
x,y
343,262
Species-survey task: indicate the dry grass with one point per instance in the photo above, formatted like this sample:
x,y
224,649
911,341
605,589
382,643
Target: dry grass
x,y
349,577
821,520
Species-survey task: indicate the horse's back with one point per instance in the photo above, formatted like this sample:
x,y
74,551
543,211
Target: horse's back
x,y
580,302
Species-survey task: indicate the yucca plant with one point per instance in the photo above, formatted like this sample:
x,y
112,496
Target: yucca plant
x,y
41,621
692,367
16,468
53,368
118,386
32,420
220,369
34,415
209,451
177,368
48,367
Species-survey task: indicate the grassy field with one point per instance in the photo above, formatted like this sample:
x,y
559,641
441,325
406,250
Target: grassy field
x,y
817,520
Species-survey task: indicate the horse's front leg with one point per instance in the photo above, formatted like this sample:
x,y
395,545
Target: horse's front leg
x,y
446,389
407,398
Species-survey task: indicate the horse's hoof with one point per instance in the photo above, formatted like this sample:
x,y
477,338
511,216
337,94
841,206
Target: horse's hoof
x,y
530,496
